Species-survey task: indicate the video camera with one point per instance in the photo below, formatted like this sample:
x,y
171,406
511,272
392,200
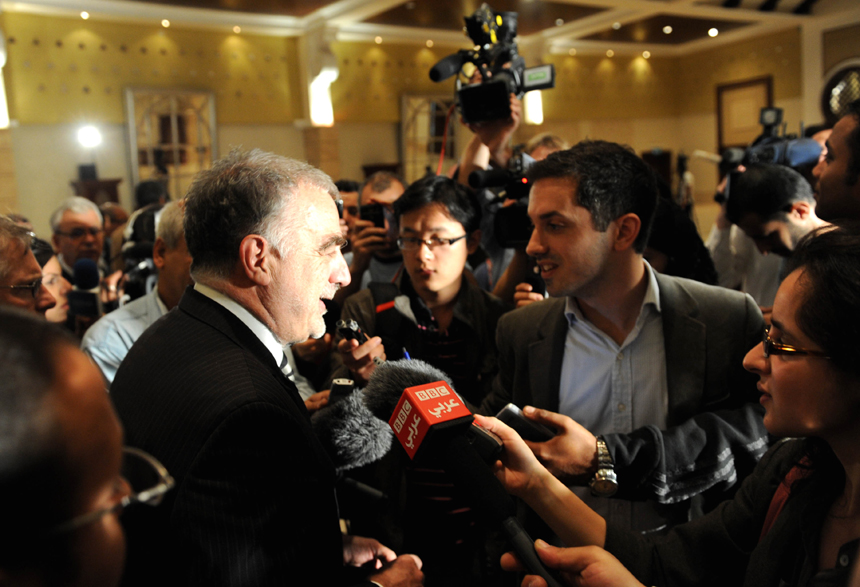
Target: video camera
x,y
503,70
800,154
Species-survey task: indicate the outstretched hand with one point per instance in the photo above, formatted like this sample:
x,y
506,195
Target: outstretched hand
x,y
518,469
585,566
571,455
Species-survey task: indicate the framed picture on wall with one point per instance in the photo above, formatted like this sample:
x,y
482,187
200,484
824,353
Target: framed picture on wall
x,y
738,107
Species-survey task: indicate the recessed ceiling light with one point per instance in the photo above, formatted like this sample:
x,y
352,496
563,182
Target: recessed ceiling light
x,y
165,23
237,29
572,52
610,53
646,54
85,15
667,30
713,32
616,25
559,21
378,40
429,43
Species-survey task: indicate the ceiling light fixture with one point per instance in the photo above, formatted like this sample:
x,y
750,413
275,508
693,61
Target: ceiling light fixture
x,y
610,53
559,21
237,29
378,40
571,52
429,43
616,25
667,30
165,23
646,54
85,15
713,32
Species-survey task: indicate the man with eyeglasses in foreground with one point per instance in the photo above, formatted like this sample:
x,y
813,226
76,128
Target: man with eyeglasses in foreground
x,y
433,312
20,273
62,488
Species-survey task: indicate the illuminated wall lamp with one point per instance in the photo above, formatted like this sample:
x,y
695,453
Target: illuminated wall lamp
x,y
533,108
322,113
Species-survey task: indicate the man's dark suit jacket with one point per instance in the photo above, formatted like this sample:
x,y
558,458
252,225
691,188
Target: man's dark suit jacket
x,y
715,432
254,500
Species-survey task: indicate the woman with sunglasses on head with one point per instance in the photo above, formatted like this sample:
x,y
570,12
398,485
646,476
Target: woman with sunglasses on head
x,y
796,519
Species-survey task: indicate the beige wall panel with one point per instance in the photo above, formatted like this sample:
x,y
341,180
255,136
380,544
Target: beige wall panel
x,y
283,139
365,143
840,44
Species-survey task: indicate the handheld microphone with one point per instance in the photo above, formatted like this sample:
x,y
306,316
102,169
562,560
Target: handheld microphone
x,y
85,297
350,433
447,67
428,416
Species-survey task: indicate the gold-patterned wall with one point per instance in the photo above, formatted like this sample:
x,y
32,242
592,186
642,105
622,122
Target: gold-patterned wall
x,y
776,55
67,70
839,45
373,78
621,87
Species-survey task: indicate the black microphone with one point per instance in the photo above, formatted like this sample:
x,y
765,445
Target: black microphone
x,y
387,391
447,67
350,433
85,297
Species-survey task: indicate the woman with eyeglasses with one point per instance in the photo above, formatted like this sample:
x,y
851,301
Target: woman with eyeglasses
x,y
53,280
796,519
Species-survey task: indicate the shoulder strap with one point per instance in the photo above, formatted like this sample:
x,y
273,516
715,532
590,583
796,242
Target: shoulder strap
x,y
782,493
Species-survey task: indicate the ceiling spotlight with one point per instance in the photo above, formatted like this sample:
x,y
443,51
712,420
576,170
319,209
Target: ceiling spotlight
x,y
237,29
429,43
616,25
610,53
85,15
165,23
667,30
571,52
559,21
378,40
646,54
713,32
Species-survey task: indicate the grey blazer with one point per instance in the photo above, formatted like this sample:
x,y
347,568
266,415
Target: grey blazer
x,y
715,432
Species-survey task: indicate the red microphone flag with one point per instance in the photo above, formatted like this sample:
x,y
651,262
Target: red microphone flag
x,y
431,406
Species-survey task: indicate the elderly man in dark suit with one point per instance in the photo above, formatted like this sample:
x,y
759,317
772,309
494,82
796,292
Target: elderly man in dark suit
x,y
203,389
645,369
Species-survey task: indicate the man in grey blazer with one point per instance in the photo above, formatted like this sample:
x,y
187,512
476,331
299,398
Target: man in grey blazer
x,y
645,369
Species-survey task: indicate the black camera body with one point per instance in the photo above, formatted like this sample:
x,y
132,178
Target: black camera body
x,y
800,154
503,70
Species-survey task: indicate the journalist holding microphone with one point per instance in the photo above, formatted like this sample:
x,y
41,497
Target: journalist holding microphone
x,y
796,519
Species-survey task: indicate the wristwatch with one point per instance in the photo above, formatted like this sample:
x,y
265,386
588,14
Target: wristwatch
x,y
605,483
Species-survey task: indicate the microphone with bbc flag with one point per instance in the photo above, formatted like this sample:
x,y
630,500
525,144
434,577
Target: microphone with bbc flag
x,y
427,416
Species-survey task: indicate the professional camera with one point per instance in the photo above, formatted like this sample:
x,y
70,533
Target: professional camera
x,y
503,70
800,154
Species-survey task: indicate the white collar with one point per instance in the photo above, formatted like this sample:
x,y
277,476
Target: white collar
x,y
259,329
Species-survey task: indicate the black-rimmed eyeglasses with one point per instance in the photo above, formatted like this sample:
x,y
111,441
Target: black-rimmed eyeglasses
x,y
410,243
34,287
78,233
149,481
771,347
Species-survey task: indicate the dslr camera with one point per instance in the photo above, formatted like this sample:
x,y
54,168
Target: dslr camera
x,y
503,71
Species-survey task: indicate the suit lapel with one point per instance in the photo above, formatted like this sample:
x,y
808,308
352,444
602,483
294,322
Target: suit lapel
x,y
545,357
218,317
684,341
